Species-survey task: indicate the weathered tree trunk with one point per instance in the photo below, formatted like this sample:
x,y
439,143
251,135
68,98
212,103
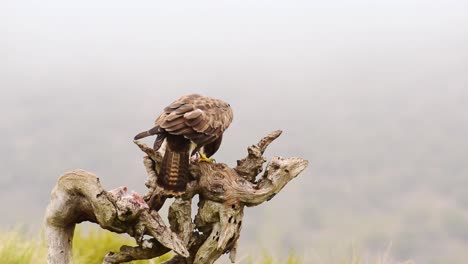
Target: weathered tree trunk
x,y
223,192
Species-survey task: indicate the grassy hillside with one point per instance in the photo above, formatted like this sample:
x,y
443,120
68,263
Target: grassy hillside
x,y
91,246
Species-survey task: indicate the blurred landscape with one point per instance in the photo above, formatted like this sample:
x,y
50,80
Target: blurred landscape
x,y
373,93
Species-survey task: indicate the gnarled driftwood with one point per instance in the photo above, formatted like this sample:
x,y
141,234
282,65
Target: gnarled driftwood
x,y
223,194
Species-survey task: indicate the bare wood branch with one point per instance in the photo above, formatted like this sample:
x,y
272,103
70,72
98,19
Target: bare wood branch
x,y
250,166
128,253
221,183
223,194
180,219
78,196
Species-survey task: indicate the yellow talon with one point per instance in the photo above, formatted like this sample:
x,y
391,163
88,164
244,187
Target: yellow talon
x,y
204,158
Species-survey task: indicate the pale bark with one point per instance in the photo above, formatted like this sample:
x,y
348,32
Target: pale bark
x,y
223,194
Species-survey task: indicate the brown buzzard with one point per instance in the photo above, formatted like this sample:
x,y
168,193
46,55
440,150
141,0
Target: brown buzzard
x,y
192,123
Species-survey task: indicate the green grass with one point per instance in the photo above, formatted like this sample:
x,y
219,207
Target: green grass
x,y
267,258
16,249
90,247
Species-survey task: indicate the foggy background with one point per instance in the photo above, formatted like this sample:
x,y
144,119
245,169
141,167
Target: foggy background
x,y
373,93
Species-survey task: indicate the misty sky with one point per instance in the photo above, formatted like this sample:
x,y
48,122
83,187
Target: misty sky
x,y
372,93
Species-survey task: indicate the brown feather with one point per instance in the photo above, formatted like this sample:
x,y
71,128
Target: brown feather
x,y
210,130
173,106
200,127
183,131
172,116
159,141
207,140
173,122
194,122
176,127
142,135
202,114
155,130
184,109
174,172
193,114
195,118
212,147
218,131
198,137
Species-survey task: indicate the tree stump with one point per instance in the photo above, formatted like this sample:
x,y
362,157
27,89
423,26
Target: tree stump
x,y
223,194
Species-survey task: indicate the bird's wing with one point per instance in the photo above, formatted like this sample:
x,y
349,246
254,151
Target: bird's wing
x,y
198,118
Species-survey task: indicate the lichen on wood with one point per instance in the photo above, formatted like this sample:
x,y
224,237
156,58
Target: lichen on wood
x,y
223,194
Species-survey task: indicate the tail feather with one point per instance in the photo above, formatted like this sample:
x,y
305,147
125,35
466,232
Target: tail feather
x,y
142,135
174,173
173,176
155,130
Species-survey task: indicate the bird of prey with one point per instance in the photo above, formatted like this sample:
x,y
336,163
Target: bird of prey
x,y
191,124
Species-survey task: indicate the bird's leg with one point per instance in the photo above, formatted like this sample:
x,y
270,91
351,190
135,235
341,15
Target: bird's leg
x,y
204,158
